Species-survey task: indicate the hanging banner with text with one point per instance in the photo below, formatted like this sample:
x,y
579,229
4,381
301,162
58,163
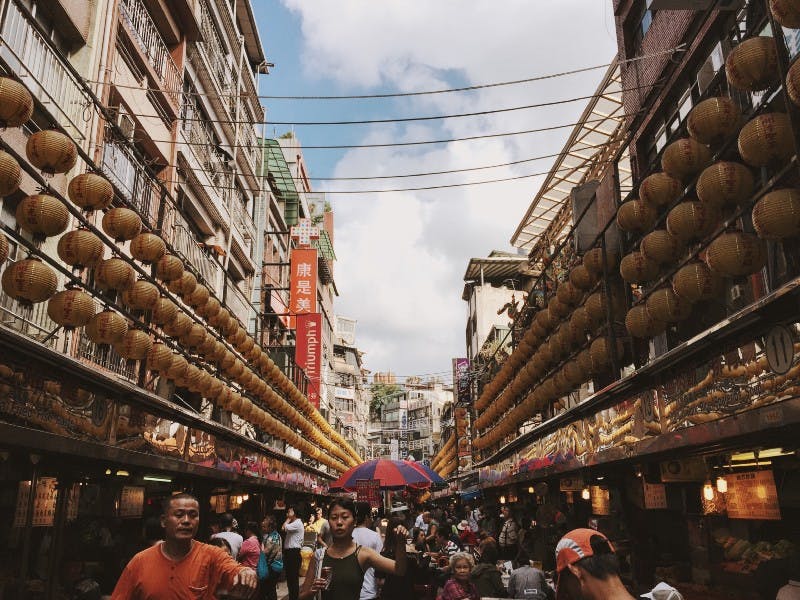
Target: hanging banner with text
x,y
369,490
308,352
303,282
461,380
753,495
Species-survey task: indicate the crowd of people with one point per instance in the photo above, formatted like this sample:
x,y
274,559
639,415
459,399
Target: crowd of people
x,y
439,554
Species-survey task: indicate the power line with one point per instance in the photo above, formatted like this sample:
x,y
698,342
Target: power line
x,y
678,48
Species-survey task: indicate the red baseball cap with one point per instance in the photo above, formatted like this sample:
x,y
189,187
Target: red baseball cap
x,y
574,546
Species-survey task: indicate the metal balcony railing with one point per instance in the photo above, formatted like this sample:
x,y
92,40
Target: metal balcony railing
x,y
237,303
140,23
30,320
106,357
125,171
214,49
31,56
185,243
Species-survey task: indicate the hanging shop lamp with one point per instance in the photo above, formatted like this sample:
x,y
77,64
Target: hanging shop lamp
x,y
80,248
4,248
767,139
10,173
106,328
122,224
169,268
51,151
725,183
159,358
736,254
665,305
641,324
142,295
29,281
661,247
636,216
16,103
695,282
71,308
685,157
114,274
660,189
42,215
692,221
148,248
753,64
713,120
637,268
777,214
134,345
164,311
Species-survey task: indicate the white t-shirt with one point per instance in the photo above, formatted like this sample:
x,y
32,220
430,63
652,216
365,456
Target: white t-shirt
x,y
790,591
233,539
294,534
370,539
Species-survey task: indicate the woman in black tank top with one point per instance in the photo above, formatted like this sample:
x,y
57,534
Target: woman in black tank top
x,y
347,560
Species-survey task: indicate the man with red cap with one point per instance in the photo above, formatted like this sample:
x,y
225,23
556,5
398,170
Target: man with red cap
x,y
588,568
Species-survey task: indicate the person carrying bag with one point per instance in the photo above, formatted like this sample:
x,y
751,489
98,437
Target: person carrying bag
x,y
270,561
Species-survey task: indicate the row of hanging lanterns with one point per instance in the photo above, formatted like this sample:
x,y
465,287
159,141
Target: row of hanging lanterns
x,y
32,281
444,451
556,332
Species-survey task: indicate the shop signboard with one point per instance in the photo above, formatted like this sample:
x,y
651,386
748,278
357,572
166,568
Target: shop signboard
x,y
753,495
369,490
683,470
571,484
461,381
44,503
303,282
131,501
219,503
308,352
601,500
655,495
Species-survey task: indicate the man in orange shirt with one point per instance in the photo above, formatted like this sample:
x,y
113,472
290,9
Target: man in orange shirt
x,y
181,568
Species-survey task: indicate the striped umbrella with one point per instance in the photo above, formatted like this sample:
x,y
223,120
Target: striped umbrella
x,y
392,475
436,479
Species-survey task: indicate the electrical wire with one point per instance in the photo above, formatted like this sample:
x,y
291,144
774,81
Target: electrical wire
x,y
679,48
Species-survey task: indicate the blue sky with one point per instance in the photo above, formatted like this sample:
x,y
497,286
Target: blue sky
x,y
402,256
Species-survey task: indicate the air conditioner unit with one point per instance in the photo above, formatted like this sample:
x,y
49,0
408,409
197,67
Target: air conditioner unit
x,y
695,4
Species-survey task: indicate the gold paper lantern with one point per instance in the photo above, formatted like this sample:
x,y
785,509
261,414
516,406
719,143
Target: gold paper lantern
x,y
585,362
169,268
42,215
641,324
236,369
725,183
245,345
661,247
16,103
214,388
178,368
106,328
637,268
209,309
692,220
777,214
573,373
29,281
90,191
191,381
593,260
557,308
218,351
142,295
10,174
545,319
579,323
164,310
568,294
581,278
753,64
71,308
766,139
114,274
665,305
793,82
148,248
685,157
596,308
736,254
51,151
195,336
179,326
230,327
786,12
219,319
80,248
695,282
660,189
134,345
713,119
3,248
184,285
159,358
227,361
198,296
600,353
636,216
122,224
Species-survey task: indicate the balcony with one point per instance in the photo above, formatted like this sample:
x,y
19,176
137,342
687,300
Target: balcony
x,y
107,358
144,32
29,320
186,245
240,307
30,55
124,169
214,50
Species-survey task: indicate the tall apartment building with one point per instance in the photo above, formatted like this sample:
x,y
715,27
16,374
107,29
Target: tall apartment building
x,y
133,355
351,392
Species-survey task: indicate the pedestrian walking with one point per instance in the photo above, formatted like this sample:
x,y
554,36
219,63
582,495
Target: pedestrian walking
x,y
588,568
364,535
227,533
293,539
180,566
251,546
338,571
459,586
271,547
528,583
508,537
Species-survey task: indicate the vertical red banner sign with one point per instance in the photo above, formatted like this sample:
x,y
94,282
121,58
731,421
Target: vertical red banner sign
x,y
308,351
303,282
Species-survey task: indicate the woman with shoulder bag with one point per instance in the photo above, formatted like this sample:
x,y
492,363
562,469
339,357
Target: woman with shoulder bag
x,y
272,559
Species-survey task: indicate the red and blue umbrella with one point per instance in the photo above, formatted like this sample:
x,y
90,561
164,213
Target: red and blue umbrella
x,y
436,479
392,475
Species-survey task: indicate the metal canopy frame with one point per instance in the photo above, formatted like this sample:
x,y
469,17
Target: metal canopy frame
x,y
587,153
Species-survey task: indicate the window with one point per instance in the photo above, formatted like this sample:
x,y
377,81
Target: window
x,y
640,26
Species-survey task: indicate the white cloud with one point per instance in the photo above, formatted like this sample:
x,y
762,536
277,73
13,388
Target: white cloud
x,y
401,257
